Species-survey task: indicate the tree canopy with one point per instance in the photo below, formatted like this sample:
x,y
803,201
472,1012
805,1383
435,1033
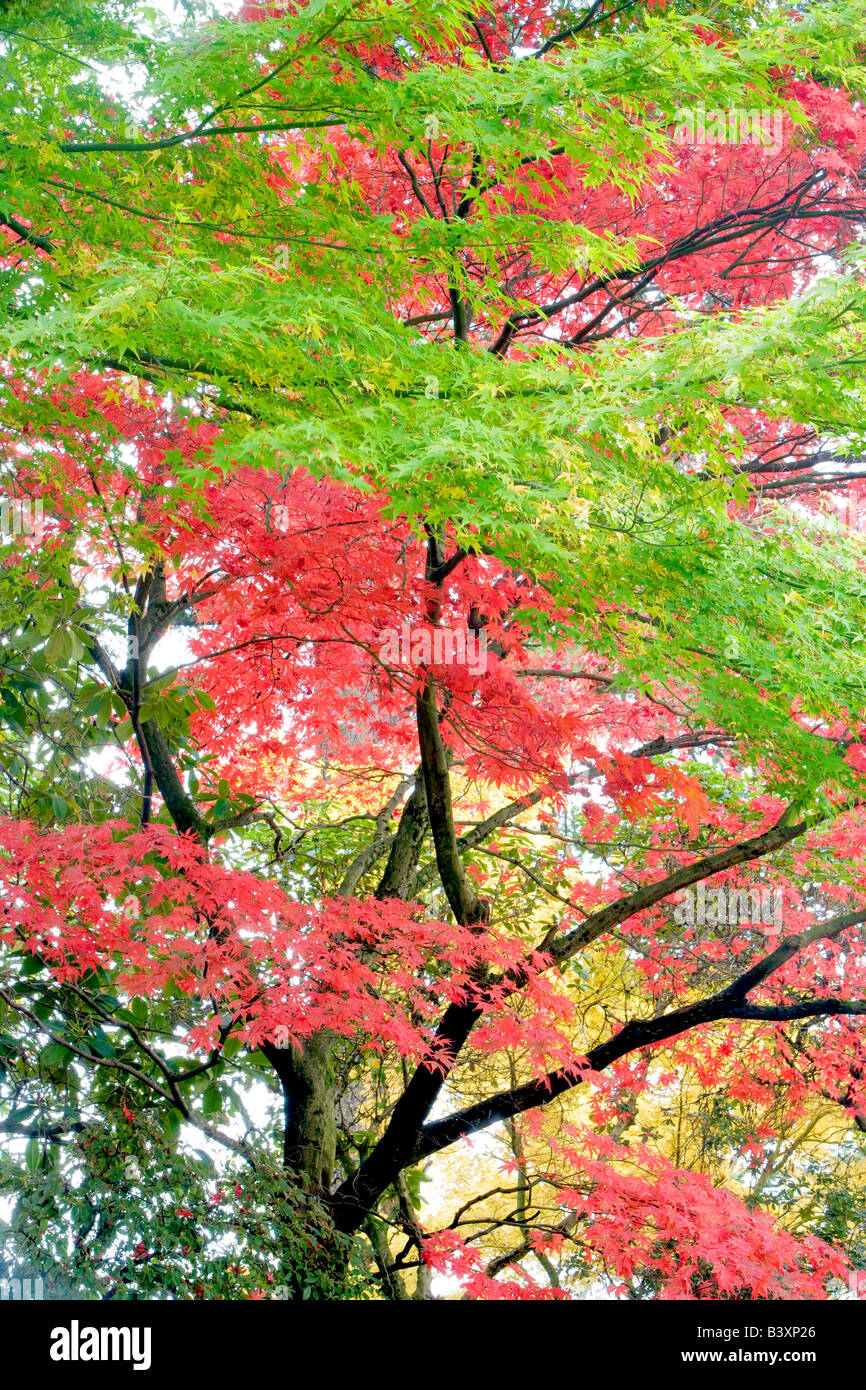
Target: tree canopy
x,y
432,683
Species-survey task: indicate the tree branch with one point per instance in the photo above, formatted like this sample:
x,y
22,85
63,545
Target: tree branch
x,y
727,1003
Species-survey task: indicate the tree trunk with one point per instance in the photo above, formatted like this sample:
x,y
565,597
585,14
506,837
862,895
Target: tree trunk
x,y
309,1142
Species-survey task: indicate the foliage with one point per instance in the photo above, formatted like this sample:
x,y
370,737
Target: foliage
x,y
124,1215
328,322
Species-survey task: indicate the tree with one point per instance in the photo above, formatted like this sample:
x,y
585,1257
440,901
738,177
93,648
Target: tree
x,y
431,686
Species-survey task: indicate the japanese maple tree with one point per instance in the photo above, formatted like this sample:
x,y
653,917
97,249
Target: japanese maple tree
x,y
431,565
